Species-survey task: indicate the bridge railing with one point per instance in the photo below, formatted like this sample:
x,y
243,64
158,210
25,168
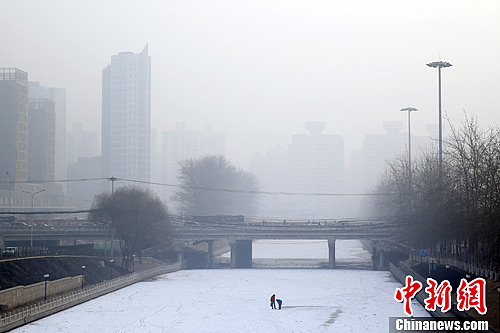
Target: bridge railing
x,y
32,312
283,227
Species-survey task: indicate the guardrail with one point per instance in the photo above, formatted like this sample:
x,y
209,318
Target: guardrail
x,y
39,310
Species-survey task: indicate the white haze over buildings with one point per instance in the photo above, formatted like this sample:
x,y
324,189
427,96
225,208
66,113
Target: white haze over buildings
x,y
258,70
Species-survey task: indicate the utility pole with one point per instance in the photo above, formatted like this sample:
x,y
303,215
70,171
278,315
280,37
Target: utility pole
x,y
113,180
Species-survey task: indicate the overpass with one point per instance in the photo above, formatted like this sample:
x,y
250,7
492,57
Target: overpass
x,y
15,236
240,236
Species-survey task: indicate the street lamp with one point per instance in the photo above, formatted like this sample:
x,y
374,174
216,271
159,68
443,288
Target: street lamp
x,y
439,65
111,269
498,289
32,196
46,276
10,189
83,275
409,109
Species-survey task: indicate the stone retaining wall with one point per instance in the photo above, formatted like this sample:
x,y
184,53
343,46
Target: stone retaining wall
x,y
19,295
39,310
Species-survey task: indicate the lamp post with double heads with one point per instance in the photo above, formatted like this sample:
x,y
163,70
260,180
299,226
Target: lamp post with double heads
x,y
439,65
409,109
46,276
32,196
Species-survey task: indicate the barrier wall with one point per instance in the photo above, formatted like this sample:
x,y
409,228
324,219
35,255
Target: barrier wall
x,y
19,295
39,310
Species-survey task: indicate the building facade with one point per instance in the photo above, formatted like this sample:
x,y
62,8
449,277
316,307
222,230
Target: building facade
x,y
317,166
183,144
312,169
13,125
58,96
81,143
126,116
41,139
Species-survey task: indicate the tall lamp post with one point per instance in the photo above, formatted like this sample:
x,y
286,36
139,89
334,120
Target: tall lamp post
x,y
46,277
409,110
439,65
32,196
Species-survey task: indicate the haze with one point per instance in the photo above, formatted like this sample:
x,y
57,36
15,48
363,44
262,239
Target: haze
x,y
258,70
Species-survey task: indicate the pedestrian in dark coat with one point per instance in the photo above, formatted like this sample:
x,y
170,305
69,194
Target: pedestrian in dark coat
x,y
273,300
279,303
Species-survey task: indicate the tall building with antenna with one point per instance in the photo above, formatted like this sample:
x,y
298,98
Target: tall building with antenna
x,y
126,116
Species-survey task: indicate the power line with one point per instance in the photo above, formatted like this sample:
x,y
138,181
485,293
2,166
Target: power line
x,y
53,181
113,179
258,192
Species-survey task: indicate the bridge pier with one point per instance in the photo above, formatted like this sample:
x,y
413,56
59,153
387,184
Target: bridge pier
x,y
374,258
379,260
331,253
241,253
210,253
180,257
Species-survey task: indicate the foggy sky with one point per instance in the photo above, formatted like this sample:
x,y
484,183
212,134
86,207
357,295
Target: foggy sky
x,y
257,70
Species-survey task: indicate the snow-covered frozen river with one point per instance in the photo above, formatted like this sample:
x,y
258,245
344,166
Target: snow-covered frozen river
x,y
237,300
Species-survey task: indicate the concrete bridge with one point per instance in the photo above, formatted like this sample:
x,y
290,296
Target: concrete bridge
x,y
240,236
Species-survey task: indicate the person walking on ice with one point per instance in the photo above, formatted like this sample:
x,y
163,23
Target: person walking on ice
x,y
279,303
273,300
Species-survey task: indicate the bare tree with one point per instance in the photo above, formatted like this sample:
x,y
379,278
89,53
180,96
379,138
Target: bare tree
x,y
456,212
139,218
211,185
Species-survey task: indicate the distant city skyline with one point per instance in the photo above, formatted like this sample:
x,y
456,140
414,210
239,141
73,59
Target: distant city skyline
x,y
258,70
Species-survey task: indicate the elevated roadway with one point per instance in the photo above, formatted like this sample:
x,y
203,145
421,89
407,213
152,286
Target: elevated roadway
x,y
240,236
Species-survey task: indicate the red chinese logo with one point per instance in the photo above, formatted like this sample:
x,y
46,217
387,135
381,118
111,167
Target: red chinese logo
x,y
407,293
438,295
469,295
472,295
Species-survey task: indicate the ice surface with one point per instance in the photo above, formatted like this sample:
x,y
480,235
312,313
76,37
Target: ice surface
x,y
237,300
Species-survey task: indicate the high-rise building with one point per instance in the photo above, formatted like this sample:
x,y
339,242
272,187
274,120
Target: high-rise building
x,y
183,144
58,96
13,125
41,139
272,170
126,116
80,143
313,163
378,150
317,166
84,192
